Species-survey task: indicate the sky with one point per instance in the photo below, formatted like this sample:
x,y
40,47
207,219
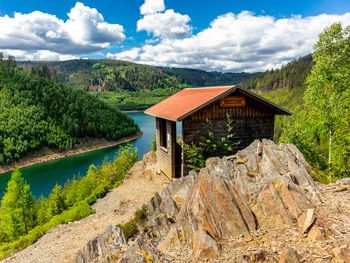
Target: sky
x,y
214,35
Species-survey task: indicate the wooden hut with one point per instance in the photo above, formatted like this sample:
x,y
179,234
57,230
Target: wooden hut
x,y
252,115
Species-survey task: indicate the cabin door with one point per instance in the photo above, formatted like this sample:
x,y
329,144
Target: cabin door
x,y
178,160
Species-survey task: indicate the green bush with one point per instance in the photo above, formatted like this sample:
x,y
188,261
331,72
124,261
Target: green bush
x,y
132,227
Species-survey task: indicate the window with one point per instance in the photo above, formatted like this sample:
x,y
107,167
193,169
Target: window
x,y
163,133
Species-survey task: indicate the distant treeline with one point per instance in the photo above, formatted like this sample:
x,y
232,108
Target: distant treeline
x,y
115,75
35,111
291,75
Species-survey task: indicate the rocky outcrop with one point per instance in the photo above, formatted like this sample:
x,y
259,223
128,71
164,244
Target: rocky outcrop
x,y
99,249
261,186
258,205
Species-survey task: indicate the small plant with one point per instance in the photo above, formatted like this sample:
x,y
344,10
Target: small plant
x,y
132,227
154,145
210,145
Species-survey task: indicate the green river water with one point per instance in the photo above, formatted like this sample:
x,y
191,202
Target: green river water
x,y
43,177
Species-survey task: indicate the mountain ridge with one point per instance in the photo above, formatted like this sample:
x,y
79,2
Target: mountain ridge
x,y
112,75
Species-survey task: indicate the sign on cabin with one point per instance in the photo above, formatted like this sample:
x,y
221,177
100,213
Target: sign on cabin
x,y
253,118
232,101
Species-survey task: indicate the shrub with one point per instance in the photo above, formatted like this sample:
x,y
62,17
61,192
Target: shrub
x,y
131,228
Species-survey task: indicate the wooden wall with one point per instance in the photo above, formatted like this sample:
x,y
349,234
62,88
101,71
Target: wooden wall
x,y
166,156
253,121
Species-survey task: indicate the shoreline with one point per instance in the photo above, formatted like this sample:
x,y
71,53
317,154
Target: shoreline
x,y
132,111
31,161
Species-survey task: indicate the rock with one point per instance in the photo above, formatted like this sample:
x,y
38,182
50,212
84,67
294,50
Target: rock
x,y
257,256
317,231
344,181
289,255
100,247
342,254
148,174
309,220
214,210
342,188
264,186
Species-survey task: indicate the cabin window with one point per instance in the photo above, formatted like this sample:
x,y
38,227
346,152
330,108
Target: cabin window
x,y
163,133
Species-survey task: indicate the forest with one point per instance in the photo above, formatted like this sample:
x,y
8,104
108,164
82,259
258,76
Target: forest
x,y
316,90
291,75
115,75
36,111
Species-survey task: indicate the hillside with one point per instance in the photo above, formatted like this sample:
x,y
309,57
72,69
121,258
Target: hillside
x,y
113,75
35,111
291,75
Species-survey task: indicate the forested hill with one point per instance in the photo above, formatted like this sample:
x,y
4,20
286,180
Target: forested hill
x,y
35,111
112,75
291,75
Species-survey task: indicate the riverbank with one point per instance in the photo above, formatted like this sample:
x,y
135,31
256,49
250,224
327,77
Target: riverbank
x,y
46,154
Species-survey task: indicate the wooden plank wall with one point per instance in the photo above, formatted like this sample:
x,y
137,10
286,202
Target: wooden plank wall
x,y
253,121
166,156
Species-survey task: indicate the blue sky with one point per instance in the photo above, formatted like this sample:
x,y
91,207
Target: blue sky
x,y
224,35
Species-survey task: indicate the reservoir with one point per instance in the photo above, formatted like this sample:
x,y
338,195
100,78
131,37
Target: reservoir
x,y
43,177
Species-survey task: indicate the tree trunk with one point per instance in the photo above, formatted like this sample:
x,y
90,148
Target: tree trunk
x,y
330,148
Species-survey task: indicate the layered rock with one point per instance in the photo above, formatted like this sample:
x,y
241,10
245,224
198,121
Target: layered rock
x,y
263,185
260,204
99,249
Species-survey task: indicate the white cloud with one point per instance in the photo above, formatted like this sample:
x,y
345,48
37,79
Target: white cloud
x,y
152,6
39,55
166,25
242,42
131,54
36,34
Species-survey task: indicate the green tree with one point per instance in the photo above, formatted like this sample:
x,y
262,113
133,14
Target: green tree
x,y
327,95
17,208
55,201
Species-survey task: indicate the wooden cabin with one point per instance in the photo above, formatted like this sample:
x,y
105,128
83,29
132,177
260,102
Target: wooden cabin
x,y
252,115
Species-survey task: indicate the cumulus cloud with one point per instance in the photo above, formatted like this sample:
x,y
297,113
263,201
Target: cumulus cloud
x,y
36,34
238,42
166,25
152,6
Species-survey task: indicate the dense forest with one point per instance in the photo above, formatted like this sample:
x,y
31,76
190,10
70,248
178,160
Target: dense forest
x,y
36,111
115,75
290,75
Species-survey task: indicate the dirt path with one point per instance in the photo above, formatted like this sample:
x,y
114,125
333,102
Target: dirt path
x,y
50,155
63,242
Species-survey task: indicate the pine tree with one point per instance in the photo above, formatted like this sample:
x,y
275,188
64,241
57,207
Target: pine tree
x,y
17,211
56,201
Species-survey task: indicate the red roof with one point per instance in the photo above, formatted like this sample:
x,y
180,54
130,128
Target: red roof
x,y
187,101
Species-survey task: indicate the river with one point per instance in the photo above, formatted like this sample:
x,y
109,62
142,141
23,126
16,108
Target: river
x,y
43,177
